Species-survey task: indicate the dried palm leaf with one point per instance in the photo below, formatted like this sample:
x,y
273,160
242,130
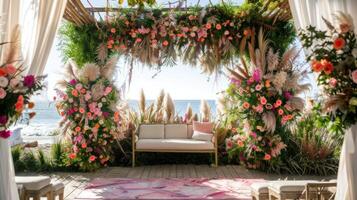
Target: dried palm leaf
x,y
69,68
108,69
336,102
263,46
272,60
296,103
269,121
287,58
102,52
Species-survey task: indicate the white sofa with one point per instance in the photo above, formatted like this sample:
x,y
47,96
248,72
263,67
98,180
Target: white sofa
x,y
170,138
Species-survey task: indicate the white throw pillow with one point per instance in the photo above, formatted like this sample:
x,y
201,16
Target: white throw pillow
x,y
197,135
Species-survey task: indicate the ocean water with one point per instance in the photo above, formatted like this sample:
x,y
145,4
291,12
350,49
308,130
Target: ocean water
x,y
47,117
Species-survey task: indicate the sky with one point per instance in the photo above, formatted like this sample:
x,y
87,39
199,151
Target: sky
x,y
181,81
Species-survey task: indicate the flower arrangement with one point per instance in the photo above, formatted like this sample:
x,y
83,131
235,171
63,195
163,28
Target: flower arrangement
x,y
265,100
91,116
333,56
209,36
15,89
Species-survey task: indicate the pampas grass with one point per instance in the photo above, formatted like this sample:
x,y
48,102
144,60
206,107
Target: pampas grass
x,y
169,107
205,111
188,114
90,72
269,121
159,114
142,103
108,70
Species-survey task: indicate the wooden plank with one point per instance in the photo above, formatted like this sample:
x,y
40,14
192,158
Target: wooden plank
x,y
191,171
166,171
211,172
219,172
179,171
227,172
173,171
135,172
146,172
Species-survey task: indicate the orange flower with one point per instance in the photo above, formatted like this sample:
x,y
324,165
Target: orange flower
x,y
81,110
75,92
267,157
3,72
30,105
328,67
116,116
247,32
72,156
77,129
19,104
240,143
84,145
339,43
165,43
246,105
96,126
317,66
267,83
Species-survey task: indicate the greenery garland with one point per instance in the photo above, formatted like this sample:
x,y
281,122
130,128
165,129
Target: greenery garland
x,y
212,36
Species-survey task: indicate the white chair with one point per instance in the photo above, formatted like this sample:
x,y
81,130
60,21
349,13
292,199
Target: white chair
x,y
35,186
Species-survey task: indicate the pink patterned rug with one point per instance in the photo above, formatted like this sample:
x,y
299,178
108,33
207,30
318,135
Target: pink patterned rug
x,y
167,188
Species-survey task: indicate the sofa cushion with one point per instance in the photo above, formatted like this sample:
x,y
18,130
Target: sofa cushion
x,y
189,131
197,135
174,144
205,127
33,182
175,131
151,131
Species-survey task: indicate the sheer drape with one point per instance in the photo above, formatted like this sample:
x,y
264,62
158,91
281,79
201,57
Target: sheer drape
x,y
9,16
39,20
310,12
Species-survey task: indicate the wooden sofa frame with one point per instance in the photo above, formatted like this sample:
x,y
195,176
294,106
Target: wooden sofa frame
x,y
135,138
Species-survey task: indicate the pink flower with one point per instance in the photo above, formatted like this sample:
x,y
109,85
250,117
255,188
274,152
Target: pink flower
x,y
354,76
5,134
218,26
72,156
29,81
107,90
332,82
257,75
73,82
229,144
267,157
2,93
258,87
87,97
250,80
288,95
278,103
263,100
253,134
92,158
11,69
79,86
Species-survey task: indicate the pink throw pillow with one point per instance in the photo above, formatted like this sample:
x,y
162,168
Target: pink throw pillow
x,y
204,127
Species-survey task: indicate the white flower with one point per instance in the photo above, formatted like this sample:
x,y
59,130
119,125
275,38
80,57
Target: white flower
x,y
104,100
70,100
101,122
100,105
14,82
3,81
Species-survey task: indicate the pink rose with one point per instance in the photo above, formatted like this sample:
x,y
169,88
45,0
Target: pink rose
x,y
332,82
79,86
2,93
107,90
354,76
258,87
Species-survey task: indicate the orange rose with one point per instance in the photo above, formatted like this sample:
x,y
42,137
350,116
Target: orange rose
x,y
328,67
3,72
267,157
72,156
339,43
31,105
246,105
77,129
19,104
75,92
317,66
165,43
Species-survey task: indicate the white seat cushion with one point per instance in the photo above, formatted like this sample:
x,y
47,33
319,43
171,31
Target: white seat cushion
x,y
151,131
189,131
260,187
33,182
174,144
197,135
176,131
57,186
290,186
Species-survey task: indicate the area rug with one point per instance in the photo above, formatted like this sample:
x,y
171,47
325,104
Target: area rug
x,y
167,188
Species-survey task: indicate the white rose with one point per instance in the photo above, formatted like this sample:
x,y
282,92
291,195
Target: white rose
x,y
3,81
101,122
104,100
70,100
100,105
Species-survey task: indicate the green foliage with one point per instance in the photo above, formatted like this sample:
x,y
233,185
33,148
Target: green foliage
x,y
30,161
79,43
58,156
313,147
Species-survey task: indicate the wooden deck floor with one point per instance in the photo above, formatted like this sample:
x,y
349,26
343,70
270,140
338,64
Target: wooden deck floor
x,y
76,182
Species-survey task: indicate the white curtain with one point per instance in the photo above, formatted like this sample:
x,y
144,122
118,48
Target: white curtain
x,y
9,18
310,12
39,20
